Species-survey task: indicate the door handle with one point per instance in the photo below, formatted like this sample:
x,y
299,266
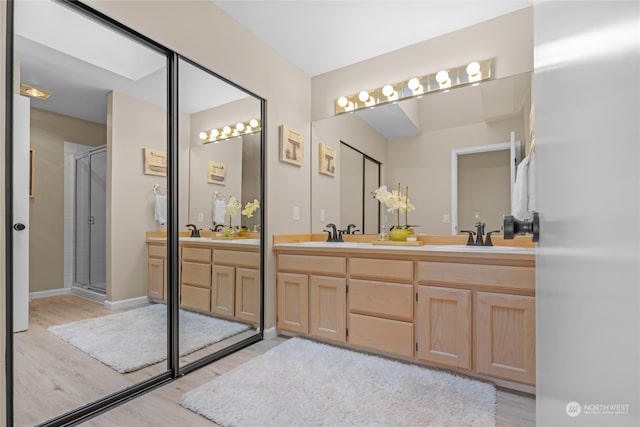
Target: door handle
x,y
19,226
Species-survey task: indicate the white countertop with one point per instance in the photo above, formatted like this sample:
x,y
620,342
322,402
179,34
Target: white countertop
x,y
424,248
210,240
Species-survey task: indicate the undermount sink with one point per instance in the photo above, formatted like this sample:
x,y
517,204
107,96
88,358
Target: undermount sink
x,y
195,239
466,248
321,244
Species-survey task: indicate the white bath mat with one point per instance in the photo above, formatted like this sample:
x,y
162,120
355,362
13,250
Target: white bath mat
x,y
303,383
133,339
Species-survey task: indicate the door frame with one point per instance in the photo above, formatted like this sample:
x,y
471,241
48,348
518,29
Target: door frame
x,y
515,156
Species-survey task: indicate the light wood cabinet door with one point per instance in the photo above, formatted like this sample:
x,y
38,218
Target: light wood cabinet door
x,y
293,302
505,336
223,290
328,308
443,326
157,279
385,335
195,298
196,274
248,295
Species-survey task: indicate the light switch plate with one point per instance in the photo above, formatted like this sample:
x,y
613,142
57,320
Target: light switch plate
x,y
200,216
322,215
296,213
445,219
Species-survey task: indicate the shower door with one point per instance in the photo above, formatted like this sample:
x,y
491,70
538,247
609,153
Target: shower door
x,y
90,220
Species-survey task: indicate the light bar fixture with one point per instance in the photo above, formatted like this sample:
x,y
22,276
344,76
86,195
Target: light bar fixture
x,y
34,92
230,131
443,80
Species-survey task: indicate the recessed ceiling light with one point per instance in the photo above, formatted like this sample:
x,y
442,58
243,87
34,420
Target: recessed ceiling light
x,y
34,92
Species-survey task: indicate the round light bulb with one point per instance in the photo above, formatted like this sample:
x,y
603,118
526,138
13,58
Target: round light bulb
x,y
387,90
343,101
253,123
203,135
215,133
363,96
240,126
473,68
414,84
226,130
442,76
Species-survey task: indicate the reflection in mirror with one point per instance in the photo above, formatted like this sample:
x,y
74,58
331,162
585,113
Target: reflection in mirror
x,y
93,202
414,139
220,270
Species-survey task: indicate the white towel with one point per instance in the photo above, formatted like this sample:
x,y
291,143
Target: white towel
x,y
219,207
523,199
161,209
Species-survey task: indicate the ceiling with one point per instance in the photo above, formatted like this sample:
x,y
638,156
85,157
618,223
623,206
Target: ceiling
x,y
320,36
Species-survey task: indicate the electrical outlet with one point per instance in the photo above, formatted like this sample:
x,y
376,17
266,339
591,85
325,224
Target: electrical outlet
x,y
445,219
296,213
322,215
200,216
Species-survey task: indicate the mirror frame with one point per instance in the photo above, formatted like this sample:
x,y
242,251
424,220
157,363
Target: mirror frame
x,y
173,369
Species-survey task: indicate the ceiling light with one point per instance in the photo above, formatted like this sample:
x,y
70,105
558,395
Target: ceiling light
x,y
442,76
414,84
34,92
230,131
471,73
473,68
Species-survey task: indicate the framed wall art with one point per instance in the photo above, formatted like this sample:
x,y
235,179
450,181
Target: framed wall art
x,y
32,172
327,159
155,162
291,146
216,173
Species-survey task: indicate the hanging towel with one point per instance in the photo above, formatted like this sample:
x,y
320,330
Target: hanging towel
x,y
523,200
219,207
161,208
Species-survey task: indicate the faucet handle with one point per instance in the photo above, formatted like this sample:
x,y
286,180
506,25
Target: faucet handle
x,y
487,241
470,241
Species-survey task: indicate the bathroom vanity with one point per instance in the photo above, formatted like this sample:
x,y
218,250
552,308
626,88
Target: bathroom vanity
x,y
218,277
465,308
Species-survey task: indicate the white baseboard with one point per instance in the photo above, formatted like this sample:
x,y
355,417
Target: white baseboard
x,y
88,294
50,293
126,303
270,333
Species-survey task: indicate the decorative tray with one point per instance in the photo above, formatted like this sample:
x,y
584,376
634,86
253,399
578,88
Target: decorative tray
x,y
397,243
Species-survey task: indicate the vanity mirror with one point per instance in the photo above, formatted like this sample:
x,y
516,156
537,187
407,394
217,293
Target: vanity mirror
x,y
413,141
110,104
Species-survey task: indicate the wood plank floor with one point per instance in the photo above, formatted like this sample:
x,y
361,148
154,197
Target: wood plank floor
x,y
159,407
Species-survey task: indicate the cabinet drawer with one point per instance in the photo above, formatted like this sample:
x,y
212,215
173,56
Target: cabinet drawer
x,y
196,274
384,269
196,254
157,251
391,300
499,276
195,298
236,258
313,264
387,336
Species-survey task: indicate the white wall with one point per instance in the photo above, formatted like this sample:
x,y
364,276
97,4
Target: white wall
x,y
588,194
259,69
508,39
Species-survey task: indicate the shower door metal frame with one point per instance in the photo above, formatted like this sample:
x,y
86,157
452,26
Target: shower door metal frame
x,y
89,286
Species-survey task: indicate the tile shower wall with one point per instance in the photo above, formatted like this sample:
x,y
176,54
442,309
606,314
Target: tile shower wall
x,y
70,151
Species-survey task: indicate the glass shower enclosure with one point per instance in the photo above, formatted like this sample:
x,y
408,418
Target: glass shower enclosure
x,y
90,220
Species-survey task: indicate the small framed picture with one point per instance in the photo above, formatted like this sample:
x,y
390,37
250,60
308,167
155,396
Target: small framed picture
x,y
291,146
32,172
155,162
327,160
216,173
